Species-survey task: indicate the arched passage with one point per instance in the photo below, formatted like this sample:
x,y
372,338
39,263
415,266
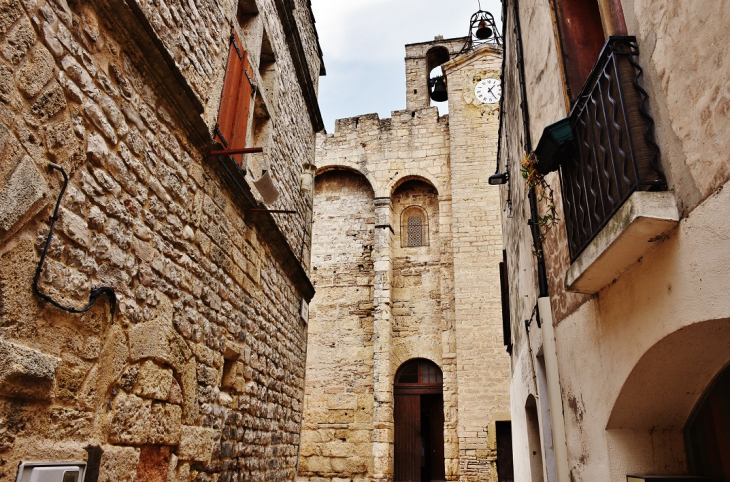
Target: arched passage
x,y
708,432
661,397
666,383
419,422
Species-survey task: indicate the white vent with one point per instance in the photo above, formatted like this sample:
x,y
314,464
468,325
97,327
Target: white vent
x,y
51,472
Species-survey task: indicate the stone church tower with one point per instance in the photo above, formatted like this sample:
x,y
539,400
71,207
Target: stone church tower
x,y
407,377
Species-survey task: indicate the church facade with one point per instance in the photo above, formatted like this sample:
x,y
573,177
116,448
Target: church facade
x,y
407,376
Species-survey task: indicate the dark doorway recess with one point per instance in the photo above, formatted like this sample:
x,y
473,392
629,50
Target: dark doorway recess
x,y
505,468
708,432
419,422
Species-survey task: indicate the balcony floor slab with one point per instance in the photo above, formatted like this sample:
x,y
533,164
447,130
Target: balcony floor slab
x,y
640,223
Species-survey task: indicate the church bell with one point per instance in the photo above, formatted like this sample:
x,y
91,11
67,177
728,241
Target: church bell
x,y
439,93
483,31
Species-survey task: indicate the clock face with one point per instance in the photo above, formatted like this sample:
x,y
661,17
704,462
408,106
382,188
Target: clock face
x,y
488,91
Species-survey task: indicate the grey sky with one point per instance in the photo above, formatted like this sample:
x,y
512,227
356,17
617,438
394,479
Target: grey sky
x,y
363,43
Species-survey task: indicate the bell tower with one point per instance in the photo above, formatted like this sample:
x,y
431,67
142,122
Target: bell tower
x,y
421,59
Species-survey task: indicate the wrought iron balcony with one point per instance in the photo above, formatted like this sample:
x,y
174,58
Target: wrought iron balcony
x,y
613,153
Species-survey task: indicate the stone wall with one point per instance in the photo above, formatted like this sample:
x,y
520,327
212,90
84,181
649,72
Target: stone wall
x,y
360,165
416,286
409,160
199,372
339,389
481,360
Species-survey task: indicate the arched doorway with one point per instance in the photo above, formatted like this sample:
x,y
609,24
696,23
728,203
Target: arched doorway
x,y
708,432
419,422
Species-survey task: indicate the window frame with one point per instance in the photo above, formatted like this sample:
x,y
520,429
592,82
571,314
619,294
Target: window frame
x,y
612,23
405,226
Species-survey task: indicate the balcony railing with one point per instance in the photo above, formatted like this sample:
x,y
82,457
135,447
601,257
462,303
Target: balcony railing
x,y
613,153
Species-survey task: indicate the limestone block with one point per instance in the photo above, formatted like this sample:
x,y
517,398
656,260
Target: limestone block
x,y
35,72
112,361
49,103
157,340
118,464
97,149
196,443
69,381
172,469
10,11
7,83
153,381
51,40
70,88
176,395
77,74
18,304
131,419
26,373
165,424
189,387
97,117
19,40
22,194
74,227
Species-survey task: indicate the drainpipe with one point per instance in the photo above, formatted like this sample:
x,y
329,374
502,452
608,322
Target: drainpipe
x,y
555,400
543,304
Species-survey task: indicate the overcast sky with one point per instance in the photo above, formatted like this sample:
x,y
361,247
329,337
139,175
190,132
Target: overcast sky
x,y
363,44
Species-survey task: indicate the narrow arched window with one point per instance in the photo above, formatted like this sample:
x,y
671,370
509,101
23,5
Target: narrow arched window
x,y
414,227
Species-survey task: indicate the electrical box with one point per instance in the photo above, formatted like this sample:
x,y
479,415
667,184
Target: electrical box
x,y
51,472
304,311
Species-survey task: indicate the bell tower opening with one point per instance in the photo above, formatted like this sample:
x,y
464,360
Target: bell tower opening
x,y
436,79
423,62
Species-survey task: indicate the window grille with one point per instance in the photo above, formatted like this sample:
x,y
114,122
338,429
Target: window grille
x,y
414,227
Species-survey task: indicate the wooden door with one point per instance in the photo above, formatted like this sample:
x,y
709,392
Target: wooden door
x,y
407,420
435,457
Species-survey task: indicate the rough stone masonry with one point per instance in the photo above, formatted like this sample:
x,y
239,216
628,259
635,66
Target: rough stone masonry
x,y
381,302
198,374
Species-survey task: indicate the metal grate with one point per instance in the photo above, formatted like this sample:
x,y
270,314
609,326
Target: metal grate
x,y
613,153
415,231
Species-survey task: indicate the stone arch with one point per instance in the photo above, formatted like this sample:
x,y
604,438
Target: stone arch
x,y
437,56
349,167
403,353
667,382
411,175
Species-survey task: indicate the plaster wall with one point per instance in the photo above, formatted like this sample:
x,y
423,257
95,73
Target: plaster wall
x,y
610,345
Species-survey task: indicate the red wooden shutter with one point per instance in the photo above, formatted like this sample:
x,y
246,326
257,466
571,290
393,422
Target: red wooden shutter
x,y
236,96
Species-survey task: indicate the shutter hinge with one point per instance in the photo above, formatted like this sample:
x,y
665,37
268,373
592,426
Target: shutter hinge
x,y
217,132
253,86
238,51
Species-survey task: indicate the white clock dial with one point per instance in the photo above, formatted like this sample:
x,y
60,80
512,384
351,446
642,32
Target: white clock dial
x,y
488,91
